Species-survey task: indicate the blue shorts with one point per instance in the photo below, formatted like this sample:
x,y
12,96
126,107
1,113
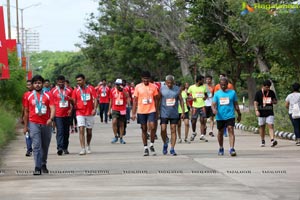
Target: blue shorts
x,y
198,111
144,118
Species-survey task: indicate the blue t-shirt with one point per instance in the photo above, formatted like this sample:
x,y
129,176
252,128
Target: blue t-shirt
x,y
225,104
169,102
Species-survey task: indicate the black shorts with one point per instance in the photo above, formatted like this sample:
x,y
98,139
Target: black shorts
x,y
186,115
117,114
224,123
166,120
209,112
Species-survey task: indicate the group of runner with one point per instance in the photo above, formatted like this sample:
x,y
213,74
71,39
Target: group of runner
x,y
171,102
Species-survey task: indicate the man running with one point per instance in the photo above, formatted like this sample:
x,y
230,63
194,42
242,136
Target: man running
x,y
103,92
208,102
170,96
223,106
85,102
144,108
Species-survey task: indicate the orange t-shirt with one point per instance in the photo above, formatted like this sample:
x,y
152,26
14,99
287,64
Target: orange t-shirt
x,y
145,95
217,87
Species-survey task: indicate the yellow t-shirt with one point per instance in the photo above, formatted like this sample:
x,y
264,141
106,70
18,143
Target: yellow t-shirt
x,y
198,92
184,97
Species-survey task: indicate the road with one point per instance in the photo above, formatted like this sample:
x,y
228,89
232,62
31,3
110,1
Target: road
x,y
119,171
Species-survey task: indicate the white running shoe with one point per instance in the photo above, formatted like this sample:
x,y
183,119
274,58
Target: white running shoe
x,y
82,152
88,149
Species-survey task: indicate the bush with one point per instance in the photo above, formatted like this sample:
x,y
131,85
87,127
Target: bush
x,y
7,126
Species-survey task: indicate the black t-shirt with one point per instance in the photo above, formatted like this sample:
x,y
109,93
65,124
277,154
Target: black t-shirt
x,y
265,108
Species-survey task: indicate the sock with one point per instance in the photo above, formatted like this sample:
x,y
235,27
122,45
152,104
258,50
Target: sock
x,y
151,144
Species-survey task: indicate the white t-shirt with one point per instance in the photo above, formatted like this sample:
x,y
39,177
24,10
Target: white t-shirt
x,y
293,98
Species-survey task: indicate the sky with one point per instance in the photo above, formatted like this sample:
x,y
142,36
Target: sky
x,y
58,22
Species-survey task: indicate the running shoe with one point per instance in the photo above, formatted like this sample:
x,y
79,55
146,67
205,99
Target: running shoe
x,y
172,152
122,141
274,143
88,150
232,152
187,141
114,140
60,152
28,154
165,149
298,143
152,151
221,152
211,134
82,152
263,143
180,141
202,137
193,136
146,152
66,151
44,169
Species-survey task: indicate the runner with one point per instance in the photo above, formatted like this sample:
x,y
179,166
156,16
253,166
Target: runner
x,y
208,102
263,105
63,110
27,135
119,98
103,92
199,95
85,101
170,96
186,116
144,109
223,106
39,114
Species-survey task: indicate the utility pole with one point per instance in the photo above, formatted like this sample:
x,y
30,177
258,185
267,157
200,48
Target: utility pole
x,y
18,28
8,19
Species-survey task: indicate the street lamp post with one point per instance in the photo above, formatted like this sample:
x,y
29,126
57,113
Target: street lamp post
x,y
8,19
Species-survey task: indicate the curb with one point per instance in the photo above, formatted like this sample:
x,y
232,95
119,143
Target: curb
x,y
278,134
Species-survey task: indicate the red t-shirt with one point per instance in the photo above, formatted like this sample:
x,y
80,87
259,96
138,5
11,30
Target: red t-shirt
x,y
103,94
25,96
84,100
44,110
61,107
119,100
131,94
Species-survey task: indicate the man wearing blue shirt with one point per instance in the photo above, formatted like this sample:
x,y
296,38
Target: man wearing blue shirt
x,y
223,106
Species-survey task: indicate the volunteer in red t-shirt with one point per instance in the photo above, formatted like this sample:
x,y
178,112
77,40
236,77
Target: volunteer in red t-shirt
x,y
63,110
85,101
39,112
27,135
103,96
119,98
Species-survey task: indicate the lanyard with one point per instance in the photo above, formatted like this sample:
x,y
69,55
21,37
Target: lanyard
x,y
264,93
83,94
37,102
62,94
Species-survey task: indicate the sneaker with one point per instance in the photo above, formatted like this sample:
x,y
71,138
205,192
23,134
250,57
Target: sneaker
x,y
221,152
37,171
298,143
186,141
211,134
193,136
60,152
263,143
232,152
82,152
202,137
165,149
66,151
122,141
28,154
72,130
274,143
114,140
180,141
146,152
173,153
44,169
152,150
88,150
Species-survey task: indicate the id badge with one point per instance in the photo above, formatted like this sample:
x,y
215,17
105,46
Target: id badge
x,y
63,104
224,101
170,102
103,94
88,97
199,95
119,102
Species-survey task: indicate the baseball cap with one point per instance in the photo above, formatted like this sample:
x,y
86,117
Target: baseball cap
x,y
118,81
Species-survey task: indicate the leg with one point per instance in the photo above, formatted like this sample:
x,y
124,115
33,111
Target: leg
x,y
163,133
144,134
262,131
35,134
45,140
89,136
173,135
66,122
106,106
231,136
101,111
60,126
82,136
186,128
179,129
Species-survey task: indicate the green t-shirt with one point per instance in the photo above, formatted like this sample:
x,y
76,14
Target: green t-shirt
x,y
184,97
198,92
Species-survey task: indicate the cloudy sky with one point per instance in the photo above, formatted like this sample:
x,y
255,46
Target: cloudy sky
x,y
58,22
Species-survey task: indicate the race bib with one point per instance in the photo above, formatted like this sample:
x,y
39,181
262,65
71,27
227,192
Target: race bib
x,y
267,100
224,101
87,97
170,102
199,95
119,102
146,101
103,94
43,110
63,104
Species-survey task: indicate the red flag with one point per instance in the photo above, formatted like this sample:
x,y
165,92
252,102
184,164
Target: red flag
x,y
11,45
29,75
4,69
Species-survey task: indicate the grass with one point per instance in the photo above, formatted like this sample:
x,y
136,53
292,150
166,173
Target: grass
x,y
7,126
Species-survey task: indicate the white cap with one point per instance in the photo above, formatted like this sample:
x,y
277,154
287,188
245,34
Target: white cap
x,y
118,81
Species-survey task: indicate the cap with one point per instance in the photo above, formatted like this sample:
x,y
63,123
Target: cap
x,y
118,81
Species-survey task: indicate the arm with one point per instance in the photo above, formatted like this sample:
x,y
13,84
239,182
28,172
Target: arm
x,y
237,109
287,104
256,108
26,120
182,105
134,108
214,107
52,115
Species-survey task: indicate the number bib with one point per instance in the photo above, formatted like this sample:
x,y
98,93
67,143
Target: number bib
x,y
103,94
224,101
63,104
146,101
267,100
119,102
199,95
43,110
87,97
170,102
